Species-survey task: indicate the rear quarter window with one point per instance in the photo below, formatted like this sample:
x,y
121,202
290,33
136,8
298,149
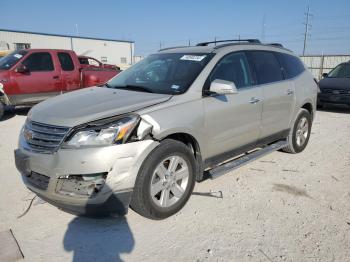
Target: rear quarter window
x,y
66,61
291,65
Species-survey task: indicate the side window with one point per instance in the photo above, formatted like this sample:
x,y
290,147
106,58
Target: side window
x,y
266,66
93,62
292,65
83,61
66,61
39,62
234,68
123,60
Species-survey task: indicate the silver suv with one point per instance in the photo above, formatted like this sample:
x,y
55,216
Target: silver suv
x,y
176,117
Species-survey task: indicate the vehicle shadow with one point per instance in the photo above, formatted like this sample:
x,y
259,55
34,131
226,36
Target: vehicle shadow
x,y
12,112
342,109
98,239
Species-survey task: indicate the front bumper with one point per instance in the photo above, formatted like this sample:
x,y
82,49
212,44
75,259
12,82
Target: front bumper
x,y
47,176
333,98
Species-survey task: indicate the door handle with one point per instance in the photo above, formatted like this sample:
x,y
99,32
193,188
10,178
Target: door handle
x,y
56,77
254,100
290,92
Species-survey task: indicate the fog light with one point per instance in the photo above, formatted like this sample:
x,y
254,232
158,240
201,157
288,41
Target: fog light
x,y
81,185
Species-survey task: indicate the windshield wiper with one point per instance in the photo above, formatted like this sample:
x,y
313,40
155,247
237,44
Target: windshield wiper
x,y
134,88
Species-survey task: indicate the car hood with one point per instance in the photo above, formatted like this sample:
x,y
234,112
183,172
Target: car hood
x,y
89,104
335,83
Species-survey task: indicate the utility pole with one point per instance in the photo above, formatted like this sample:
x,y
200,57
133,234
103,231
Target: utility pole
x,y
189,42
76,29
215,40
307,27
160,45
263,28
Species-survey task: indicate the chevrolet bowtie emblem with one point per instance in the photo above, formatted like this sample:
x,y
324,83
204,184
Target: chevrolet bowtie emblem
x,y
28,135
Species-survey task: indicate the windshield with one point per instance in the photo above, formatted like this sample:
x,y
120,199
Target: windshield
x,y
340,71
8,61
170,73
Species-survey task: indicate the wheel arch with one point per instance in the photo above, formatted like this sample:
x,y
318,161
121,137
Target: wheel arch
x,y
190,141
308,106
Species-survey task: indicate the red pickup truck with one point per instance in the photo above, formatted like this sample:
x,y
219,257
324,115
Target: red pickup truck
x,y
30,76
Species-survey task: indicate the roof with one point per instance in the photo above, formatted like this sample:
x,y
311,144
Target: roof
x,y
59,35
218,48
188,49
206,47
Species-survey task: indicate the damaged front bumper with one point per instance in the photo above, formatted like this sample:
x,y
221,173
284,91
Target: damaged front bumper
x,y
90,181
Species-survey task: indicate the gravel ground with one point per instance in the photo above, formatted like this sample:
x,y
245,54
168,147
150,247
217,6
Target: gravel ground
x,y
282,207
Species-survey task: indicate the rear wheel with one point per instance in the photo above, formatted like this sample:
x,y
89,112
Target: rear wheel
x,y
2,110
299,135
165,181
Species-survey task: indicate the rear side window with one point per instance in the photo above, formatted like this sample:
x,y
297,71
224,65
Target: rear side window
x,y
39,62
66,61
234,68
267,68
291,65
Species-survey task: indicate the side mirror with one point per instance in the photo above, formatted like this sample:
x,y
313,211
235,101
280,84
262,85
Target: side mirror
x,y
22,69
223,87
324,75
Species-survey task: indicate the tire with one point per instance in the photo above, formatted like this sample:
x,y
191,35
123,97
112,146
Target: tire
x,y
298,138
319,106
159,192
2,110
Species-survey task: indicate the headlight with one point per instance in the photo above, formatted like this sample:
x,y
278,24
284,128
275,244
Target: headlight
x,y
102,134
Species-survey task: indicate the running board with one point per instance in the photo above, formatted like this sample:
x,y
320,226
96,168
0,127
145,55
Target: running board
x,y
245,159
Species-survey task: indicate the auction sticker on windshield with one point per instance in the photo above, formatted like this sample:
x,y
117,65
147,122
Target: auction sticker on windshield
x,y
193,57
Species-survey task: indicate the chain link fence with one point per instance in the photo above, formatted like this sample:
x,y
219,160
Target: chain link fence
x,y
319,64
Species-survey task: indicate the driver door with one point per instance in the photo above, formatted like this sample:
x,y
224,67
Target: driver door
x,y
233,121
40,82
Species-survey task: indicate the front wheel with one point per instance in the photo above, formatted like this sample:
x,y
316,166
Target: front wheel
x,y
2,110
165,180
299,135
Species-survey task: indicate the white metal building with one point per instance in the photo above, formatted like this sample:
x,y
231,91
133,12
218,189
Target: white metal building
x,y
111,51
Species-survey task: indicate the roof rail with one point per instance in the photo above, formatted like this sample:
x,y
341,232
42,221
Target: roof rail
x,y
276,44
255,41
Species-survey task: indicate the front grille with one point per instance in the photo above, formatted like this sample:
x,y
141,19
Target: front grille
x,y
42,138
335,91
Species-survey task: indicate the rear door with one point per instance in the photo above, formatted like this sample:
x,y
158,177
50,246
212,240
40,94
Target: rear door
x,y
278,93
41,82
233,121
70,72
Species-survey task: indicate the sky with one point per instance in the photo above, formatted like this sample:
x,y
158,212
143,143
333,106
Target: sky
x,y
154,23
